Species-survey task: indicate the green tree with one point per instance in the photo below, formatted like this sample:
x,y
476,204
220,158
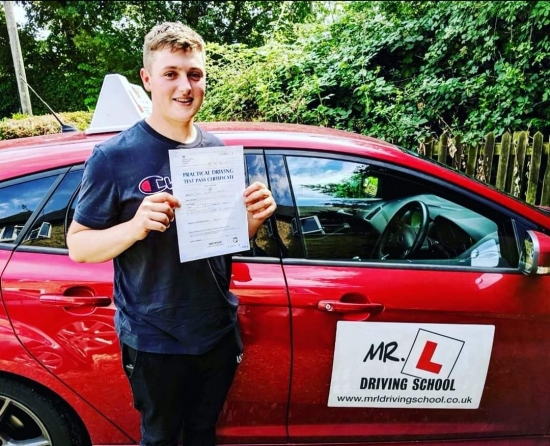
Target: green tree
x,y
77,42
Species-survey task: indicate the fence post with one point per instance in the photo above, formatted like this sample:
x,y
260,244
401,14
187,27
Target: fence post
x,y
503,161
511,163
457,156
471,162
488,153
519,162
442,154
429,149
545,199
534,169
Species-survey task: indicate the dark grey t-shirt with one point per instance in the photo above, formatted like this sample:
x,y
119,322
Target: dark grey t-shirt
x,y
163,306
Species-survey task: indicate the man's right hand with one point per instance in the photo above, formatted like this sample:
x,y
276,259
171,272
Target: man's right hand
x,y
155,213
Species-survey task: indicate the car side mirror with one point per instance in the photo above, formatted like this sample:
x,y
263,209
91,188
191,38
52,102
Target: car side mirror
x,y
535,254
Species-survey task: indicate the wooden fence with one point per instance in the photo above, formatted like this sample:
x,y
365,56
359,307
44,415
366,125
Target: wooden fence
x,y
518,164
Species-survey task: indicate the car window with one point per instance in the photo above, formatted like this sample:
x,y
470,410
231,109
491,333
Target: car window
x,y
352,211
285,213
263,244
49,228
18,202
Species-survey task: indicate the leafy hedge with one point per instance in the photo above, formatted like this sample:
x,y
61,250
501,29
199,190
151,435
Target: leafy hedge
x,y
400,71
20,126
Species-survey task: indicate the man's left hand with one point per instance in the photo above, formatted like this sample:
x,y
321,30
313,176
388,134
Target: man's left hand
x,y
260,205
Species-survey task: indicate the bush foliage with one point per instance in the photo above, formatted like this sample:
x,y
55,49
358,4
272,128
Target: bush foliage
x,y
20,126
399,71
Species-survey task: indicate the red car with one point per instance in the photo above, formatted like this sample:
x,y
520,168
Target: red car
x,y
389,300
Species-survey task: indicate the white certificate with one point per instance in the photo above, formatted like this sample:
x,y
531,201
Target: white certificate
x,y
209,182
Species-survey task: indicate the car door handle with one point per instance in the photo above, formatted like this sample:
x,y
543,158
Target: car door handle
x,y
57,300
336,306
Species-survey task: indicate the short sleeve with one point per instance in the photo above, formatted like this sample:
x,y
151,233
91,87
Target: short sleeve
x,y
98,199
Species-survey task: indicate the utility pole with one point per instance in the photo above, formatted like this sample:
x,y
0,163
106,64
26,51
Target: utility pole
x,y
17,59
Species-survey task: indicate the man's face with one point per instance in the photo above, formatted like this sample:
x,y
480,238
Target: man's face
x,y
177,81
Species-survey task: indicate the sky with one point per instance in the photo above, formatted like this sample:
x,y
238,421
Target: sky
x,y
19,14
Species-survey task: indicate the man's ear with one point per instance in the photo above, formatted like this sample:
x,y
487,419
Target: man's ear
x,y
145,78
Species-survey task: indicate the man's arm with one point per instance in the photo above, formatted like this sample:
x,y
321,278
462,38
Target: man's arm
x,y
155,213
260,205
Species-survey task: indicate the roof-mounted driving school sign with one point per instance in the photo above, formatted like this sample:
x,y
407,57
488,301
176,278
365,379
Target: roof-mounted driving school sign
x,y
119,106
432,366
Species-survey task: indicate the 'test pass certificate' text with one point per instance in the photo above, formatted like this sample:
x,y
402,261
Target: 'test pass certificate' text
x,y
209,182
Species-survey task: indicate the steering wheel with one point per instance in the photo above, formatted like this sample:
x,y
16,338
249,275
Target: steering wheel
x,y
399,240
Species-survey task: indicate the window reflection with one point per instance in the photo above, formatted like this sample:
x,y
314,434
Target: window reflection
x,y
48,229
331,196
352,211
263,244
280,188
18,202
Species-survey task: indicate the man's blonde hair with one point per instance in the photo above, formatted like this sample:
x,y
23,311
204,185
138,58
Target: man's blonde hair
x,y
173,35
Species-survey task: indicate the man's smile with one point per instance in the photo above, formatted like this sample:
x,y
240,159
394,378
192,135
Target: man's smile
x,y
184,101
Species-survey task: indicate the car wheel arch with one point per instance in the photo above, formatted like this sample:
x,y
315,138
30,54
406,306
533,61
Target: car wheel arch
x,y
35,376
72,421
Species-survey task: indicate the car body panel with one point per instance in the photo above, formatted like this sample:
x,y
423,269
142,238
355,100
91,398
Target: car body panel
x,y
18,361
258,413
509,441
77,345
281,389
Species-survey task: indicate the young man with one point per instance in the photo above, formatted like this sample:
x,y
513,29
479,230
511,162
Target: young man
x,y
177,322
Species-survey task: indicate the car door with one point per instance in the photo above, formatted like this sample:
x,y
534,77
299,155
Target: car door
x,y
397,342
62,312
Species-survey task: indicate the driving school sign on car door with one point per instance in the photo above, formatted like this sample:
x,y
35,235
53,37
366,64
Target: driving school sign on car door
x,y
432,366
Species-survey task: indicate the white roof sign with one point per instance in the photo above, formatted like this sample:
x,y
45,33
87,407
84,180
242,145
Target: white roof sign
x,y
120,105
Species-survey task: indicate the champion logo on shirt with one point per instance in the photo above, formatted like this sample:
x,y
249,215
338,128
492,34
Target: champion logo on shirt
x,y
154,184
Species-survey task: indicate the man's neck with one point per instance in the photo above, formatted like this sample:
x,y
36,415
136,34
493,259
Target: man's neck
x,y
181,132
